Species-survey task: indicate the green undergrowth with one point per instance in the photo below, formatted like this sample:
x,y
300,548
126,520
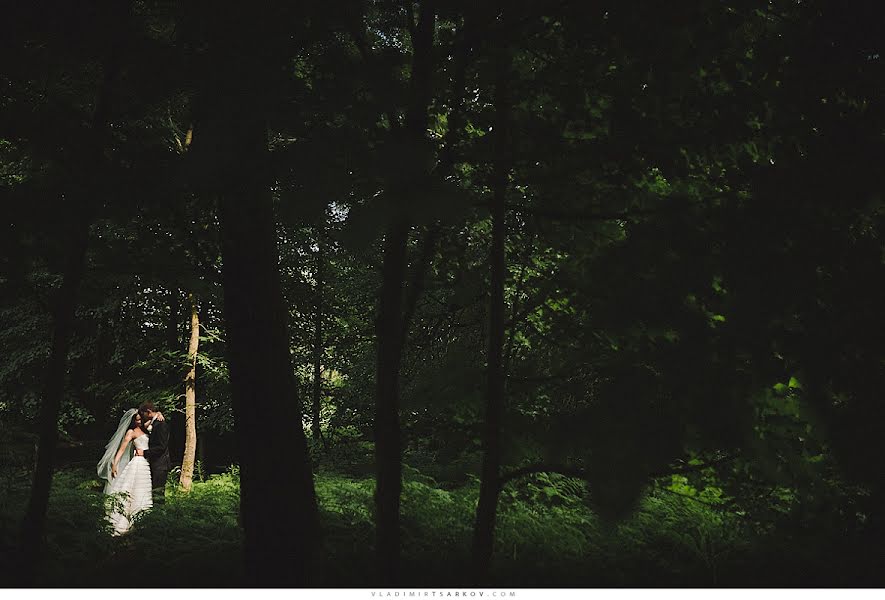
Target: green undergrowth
x,y
546,536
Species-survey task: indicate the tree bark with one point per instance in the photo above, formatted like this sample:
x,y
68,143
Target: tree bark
x,y
173,328
174,339
190,401
64,308
390,320
278,507
65,304
386,427
483,538
417,280
318,342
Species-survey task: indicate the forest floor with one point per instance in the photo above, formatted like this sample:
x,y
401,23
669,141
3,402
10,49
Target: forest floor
x,y
551,540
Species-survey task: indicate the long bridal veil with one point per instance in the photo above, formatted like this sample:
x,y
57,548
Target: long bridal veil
x,y
107,460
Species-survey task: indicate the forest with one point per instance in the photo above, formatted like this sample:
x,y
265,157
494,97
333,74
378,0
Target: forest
x,y
446,292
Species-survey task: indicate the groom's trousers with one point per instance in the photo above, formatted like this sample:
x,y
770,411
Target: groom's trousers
x,y
158,491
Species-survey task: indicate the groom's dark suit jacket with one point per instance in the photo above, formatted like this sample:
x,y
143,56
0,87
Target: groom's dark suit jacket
x,y
157,453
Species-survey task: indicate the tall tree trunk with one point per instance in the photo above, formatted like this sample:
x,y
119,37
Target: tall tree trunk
x,y
389,325
173,325
483,538
386,427
64,308
278,510
174,340
318,340
417,280
278,507
65,304
190,401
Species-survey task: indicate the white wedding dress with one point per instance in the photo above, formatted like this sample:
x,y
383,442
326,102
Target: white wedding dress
x,y
132,490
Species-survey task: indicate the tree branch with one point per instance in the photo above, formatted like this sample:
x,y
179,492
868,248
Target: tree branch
x,y
559,215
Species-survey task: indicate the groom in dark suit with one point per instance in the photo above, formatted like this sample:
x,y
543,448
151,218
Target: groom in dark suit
x,y
157,453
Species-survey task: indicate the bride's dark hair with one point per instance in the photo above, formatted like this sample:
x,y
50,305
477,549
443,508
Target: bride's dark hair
x,y
134,424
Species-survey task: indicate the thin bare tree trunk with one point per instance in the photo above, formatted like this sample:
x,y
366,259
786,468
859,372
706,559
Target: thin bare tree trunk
x,y
190,401
173,325
174,339
318,341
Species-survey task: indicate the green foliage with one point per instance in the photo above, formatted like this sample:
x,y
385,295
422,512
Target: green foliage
x,y
188,524
546,535
81,551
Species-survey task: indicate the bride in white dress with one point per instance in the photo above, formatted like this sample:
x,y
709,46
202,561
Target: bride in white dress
x,y
128,477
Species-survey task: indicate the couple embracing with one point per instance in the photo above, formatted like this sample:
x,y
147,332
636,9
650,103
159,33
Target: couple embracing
x,y
135,465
